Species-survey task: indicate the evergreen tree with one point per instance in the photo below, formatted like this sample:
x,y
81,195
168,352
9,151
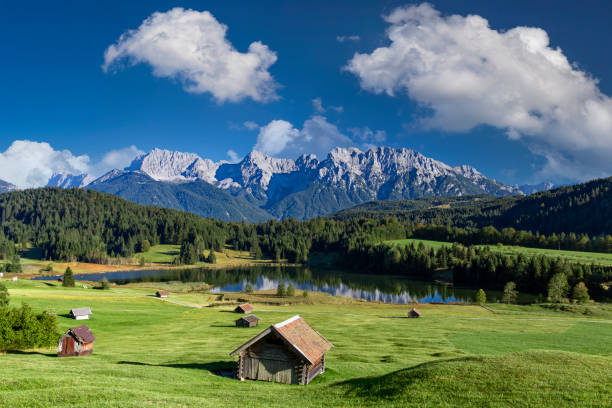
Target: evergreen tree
x,y
291,290
581,293
248,288
481,297
557,287
510,293
305,293
4,296
68,280
212,258
145,245
280,289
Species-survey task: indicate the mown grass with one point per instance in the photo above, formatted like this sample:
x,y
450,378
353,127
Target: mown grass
x,y
154,353
573,256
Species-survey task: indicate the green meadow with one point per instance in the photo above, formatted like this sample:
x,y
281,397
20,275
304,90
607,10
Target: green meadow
x,y
154,353
572,256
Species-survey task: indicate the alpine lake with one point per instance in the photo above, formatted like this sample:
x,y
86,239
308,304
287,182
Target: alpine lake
x,y
371,288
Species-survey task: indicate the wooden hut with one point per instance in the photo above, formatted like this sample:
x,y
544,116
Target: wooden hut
x,y
77,341
247,321
291,352
244,308
161,293
81,313
414,313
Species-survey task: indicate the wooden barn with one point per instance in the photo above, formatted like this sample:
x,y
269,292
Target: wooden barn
x,y
161,293
414,313
244,308
291,352
77,341
81,313
247,321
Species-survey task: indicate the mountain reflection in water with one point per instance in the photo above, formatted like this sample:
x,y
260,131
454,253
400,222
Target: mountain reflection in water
x,y
357,286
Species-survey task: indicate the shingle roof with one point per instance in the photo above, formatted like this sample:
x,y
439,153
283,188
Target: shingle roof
x,y
245,307
250,318
81,311
299,335
82,333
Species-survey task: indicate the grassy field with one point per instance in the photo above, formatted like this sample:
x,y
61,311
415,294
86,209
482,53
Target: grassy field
x,y
158,256
152,353
573,256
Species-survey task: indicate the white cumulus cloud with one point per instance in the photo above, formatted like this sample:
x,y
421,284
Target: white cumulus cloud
x,y
233,156
28,164
469,74
192,46
317,136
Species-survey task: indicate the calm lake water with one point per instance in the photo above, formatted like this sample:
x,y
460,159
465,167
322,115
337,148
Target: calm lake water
x,y
358,286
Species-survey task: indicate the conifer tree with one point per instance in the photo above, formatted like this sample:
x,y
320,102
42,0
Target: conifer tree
x,y
68,280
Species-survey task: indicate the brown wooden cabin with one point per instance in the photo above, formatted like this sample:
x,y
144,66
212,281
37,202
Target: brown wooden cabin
x,y
291,352
244,308
414,313
161,293
247,321
77,341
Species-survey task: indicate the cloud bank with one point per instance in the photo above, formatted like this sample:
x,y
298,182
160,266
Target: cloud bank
x,y
28,164
192,46
469,74
317,136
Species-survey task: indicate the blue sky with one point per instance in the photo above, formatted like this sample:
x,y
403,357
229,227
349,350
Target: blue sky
x,y
55,90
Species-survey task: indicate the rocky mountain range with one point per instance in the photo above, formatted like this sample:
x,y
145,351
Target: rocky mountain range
x,y
261,186
5,186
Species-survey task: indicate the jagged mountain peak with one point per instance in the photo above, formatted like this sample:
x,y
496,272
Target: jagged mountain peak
x,y
67,180
5,186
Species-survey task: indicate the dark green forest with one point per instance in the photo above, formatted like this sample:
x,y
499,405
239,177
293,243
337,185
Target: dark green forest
x,y
86,225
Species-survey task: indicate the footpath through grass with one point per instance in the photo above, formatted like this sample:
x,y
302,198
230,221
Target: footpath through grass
x,y
154,353
572,256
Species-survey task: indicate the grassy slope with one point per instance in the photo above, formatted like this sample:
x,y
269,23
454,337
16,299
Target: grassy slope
x,y
155,353
573,256
156,256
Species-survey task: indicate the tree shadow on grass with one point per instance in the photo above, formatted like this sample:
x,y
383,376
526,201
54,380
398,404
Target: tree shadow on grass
x,y
31,353
226,369
395,383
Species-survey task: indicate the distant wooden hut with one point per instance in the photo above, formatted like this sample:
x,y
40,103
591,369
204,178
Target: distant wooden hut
x,y
81,313
77,341
161,293
291,352
244,308
247,321
414,313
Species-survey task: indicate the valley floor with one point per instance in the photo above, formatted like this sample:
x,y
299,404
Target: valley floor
x,y
150,353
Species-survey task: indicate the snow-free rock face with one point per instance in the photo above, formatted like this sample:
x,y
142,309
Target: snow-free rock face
x,y
536,188
306,187
67,180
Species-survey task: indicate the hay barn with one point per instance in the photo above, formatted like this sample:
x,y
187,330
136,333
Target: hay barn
x,y
244,308
81,313
414,313
247,321
77,341
161,293
291,352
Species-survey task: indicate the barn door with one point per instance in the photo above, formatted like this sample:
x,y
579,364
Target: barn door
x,y
68,346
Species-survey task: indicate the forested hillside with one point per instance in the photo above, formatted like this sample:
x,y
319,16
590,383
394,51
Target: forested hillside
x,y
87,225
581,209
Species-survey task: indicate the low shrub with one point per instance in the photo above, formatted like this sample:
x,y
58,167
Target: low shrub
x,y
22,329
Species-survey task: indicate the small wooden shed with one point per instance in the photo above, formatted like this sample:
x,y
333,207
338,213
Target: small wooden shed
x,y
77,341
244,308
290,352
81,313
414,313
161,293
247,321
